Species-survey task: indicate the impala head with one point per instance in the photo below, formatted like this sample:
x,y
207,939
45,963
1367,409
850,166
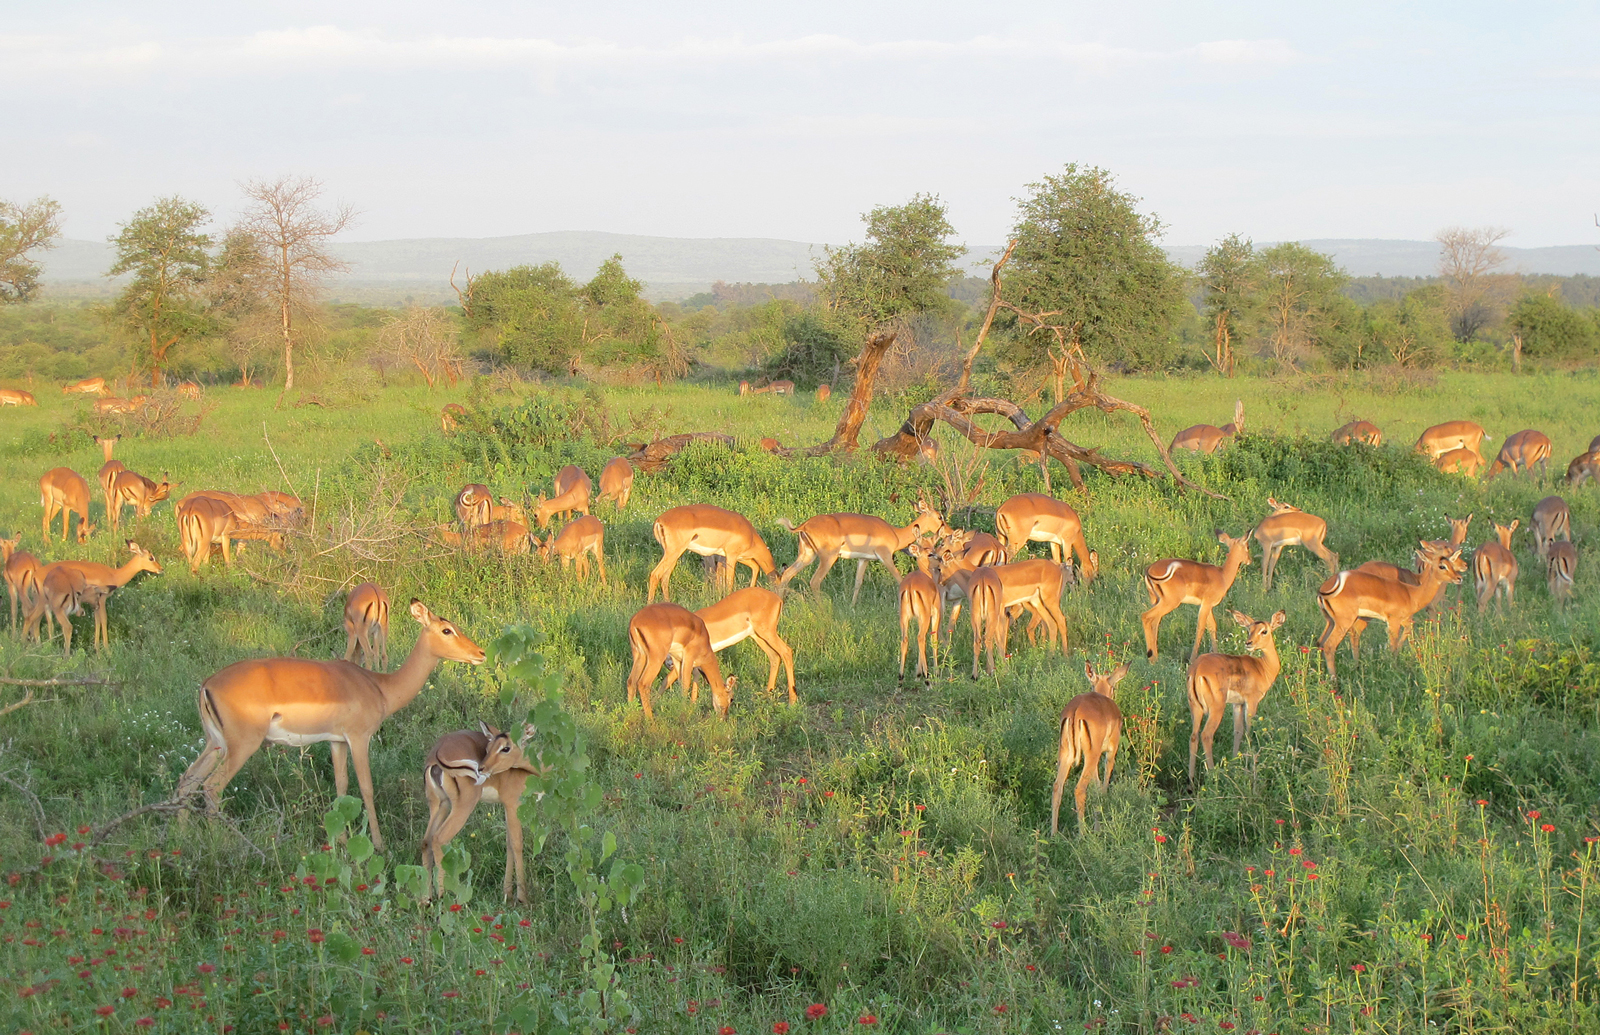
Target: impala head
x,y
144,560
1237,546
1258,635
1504,531
9,546
1280,507
761,555
446,640
107,444
1091,571
1458,528
1442,558
1105,683
85,530
928,519
501,753
164,489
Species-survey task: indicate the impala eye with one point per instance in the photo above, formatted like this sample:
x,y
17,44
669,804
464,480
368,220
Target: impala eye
x,y
448,631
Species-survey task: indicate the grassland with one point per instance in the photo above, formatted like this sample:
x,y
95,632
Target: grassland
x,y
1378,860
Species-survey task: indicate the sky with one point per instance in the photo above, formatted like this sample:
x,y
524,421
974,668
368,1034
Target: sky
x,y
721,119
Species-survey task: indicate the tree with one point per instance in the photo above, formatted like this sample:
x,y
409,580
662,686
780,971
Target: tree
x,y
291,237
1301,300
1550,329
1088,269
1414,331
25,229
1467,261
168,255
426,338
529,316
903,267
1230,275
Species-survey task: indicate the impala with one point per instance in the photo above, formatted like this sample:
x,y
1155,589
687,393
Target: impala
x,y
116,404
22,578
97,581
616,482
975,548
205,520
1036,585
665,630
750,613
1091,727
1560,567
1034,517
1521,451
366,625
88,386
450,417
473,504
1431,550
1586,465
136,491
1460,461
16,397
1494,567
1291,526
189,389
508,510
1172,583
1552,520
986,612
111,468
63,491
575,542
467,767
823,392
1359,431
707,531
506,537
920,604
573,488
1351,597
57,597
857,537
300,701
1204,438
1456,434
1218,680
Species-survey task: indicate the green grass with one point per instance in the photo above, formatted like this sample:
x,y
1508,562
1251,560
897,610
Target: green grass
x,y
784,848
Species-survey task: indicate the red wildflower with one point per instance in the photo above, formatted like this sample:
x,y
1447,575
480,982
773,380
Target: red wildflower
x,y
105,1011
1532,815
999,925
1000,1008
1030,968
145,1022
325,1020
452,994
816,1011
868,1019
1235,939
129,993
677,941
780,1028
55,839
726,1029
1166,950
206,968
1359,968
367,950
162,1002
455,907
316,935
407,960
1188,1017
1294,851
1548,828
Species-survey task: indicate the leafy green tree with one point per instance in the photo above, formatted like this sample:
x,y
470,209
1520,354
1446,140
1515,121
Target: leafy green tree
x,y
903,267
1088,268
815,345
25,229
1414,331
1550,329
529,316
1304,309
168,255
1230,276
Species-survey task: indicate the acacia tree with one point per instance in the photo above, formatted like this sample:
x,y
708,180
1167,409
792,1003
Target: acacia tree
x,y
25,229
1468,259
1088,271
1301,298
165,250
425,337
291,236
1230,274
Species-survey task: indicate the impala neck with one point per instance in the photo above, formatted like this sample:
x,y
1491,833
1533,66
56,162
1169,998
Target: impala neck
x,y
124,575
1230,568
1271,664
402,685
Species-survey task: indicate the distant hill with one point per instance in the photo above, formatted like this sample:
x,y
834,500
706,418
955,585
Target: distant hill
x,y
675,267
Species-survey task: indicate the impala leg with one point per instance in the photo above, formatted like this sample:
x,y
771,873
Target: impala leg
x,y
1357,627
464,799
1238,727
352,640
339,752
1062,769
358,755
652,667
999,634
102,635
600,562
1113,738
1151,620
1197,715
514,862
661,575
1056,620
1202,620
906,619
804,556
1080,793
861,574
1208,735
234,756
436,816
824,566
66,632
1269,559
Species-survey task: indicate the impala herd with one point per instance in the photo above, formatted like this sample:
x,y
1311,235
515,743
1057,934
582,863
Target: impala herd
x,y
298,701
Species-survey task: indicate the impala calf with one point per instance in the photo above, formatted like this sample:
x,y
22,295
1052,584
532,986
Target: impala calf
x,y
1460,461
299,701
975,548
665,630
1218,680
63,491
750,613
1291,526
827,538
1552,520
462,769
1457,434
576,541
1034,517
1494,567
1172,583
616,482
1560,569
56,597
1204,438
1351,598
366,625
1359,431
1520,452
1091,726
707,531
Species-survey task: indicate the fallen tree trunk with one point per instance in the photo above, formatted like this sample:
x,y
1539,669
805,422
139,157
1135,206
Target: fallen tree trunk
x,y
653,457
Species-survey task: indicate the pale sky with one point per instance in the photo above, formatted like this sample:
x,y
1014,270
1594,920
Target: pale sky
x,y
721,119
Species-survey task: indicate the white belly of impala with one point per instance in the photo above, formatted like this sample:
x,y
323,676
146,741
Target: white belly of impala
x,y
276,734
490,795
1364,612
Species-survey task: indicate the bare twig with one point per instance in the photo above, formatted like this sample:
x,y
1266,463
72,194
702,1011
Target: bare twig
x,y
12,681
33,799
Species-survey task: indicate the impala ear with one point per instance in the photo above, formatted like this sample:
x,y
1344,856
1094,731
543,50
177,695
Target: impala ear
x,y
1277,620
1088,670
1118,674
1243,619
1514,523
419,611
486,729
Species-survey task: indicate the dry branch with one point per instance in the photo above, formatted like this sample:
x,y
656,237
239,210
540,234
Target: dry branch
x,y
654,456
12,681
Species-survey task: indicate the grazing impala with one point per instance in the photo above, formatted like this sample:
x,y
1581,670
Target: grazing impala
x,y
22,578
707,531
92,583
88,386
1359,431
616,482
366,625
1431,550
1584,466
573,488
1351,597
1457,434
1034,517
823,392
56,597
921,604
1172,583
1036,585
1204,438
473,505
1460,461
575,542
111,468
1291,526
1218,680
665,630
510,538
135,490
1521,451
986,611
16,397
857,537
450,417
1560,567
299,701
1494,568
1091,727
189,389
975,548
1552,520
467,767
204,520
750,613
63,491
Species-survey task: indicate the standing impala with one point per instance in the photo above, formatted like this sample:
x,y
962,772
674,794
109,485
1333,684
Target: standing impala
x,y
110,469
1457,434
921,604
1172,583
616,482
1431,550
299,701
92,582
665,630
366,625
1291,526
1204,438
204,520
462,769
708,531
63,491
1584,466
750,613
129,489
1218,680
22,579
1035,517
1552,520
1091,727
573,489
1520,452
575,542
827,538
1560,567
1494,568
986,611
1036,585
1359,431
1351,597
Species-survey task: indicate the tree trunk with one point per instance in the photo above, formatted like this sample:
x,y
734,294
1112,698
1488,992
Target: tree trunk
x,y
1516,353
288,330
848,432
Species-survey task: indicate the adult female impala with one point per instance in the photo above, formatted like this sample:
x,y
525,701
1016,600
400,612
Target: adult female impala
x,y
22,579
1091,726
1460,461
467,767
1291,526
1036,585
576,541
299,701
750,613
1552,520
707,531
1173,582
109,470
63,491
366,625
1560,567
1494,568
88,386
1456,434
573,489
1521,451
616,482
204,520
16,397
129,489
1351,597
665,630
921,604
510,538
1431,550
1204,438
986,611
1359,431
473,505
95,578
1034,517
1584,466
857,537
1218,680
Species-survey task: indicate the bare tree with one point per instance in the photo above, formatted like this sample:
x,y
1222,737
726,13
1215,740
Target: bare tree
x,y
291,236
23,229
425,337
1468,260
